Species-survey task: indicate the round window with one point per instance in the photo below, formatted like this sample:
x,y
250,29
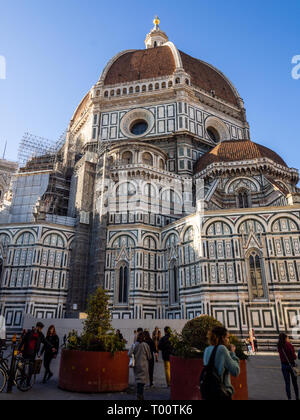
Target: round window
x,y
138,128
213,134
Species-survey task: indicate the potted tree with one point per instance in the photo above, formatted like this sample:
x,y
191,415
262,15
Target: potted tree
x,y
95,361
187,361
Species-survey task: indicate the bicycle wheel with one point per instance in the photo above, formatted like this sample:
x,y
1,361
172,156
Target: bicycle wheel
x,y
24,379
3,379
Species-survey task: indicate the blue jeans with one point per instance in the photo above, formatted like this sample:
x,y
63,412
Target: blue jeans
x,y
288,374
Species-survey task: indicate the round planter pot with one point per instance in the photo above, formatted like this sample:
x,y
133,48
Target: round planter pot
x,y
185,379
93,372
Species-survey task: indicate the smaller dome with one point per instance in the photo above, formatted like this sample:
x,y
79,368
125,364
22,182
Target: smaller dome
x,y
235,151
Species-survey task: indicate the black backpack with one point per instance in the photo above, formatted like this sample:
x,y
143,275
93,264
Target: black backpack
x,y
211,385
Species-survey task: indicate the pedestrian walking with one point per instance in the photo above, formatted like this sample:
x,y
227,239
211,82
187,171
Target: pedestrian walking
x,y
166,348
223,358
152,347
30,346
141,352
50,351
255,343
288,356
156,337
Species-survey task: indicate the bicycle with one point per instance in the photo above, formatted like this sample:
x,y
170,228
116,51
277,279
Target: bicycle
x,y
24,375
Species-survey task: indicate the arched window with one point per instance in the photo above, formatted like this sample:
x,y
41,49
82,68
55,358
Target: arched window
x,y
150,88
123,284
118,92
258,290
144,88
131,90
156,86
106,94
127,157
170,84
177,81
164,85
174,289
148,159
243,199
124,91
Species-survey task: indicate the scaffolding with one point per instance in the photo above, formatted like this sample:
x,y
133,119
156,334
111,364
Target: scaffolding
x,y
32,147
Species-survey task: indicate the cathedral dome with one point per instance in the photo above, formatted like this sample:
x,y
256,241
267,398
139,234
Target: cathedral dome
x,y
152,63
235,151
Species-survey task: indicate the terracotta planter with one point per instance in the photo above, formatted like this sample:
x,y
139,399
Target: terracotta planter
x,y
93,372
185,378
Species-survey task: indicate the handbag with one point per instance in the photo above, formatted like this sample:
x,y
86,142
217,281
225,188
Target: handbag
x,y
37,366
295,369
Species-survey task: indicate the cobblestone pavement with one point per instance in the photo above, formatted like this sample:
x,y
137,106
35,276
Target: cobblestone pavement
x,y
265,382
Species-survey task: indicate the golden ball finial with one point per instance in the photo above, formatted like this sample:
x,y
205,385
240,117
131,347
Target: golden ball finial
x,y
156,21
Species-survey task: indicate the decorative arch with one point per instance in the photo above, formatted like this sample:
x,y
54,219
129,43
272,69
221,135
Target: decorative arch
x,y
220,227
147,158
22,236
242,182
173,236
188,234
150,242
127,157
219,126
120,235
283,217
54,239
254,220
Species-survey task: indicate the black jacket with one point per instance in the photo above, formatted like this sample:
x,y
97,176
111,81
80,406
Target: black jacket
x,y
51,342
166,348
152,346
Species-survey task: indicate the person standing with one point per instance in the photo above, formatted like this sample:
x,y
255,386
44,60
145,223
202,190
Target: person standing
x,y
151,345
50,348
156,337
142,355
226,362
30,346
288,356
166,348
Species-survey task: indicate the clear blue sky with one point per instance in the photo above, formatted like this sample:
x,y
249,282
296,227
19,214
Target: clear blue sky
x,y
55,51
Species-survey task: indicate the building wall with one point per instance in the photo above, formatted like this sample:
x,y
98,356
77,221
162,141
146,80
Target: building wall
x,y
35,274
214,273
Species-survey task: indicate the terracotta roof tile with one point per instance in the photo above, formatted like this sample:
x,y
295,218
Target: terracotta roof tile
x,y
208,79
141,64
237,150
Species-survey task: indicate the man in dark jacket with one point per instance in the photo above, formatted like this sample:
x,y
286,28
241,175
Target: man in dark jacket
x,y
166,348
31,344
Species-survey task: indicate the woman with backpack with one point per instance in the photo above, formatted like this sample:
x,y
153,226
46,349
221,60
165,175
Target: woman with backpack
x,y
288,356
220,362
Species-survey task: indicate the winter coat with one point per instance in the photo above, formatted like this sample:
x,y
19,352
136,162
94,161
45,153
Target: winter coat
x,y
52,342
142,355
166,347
